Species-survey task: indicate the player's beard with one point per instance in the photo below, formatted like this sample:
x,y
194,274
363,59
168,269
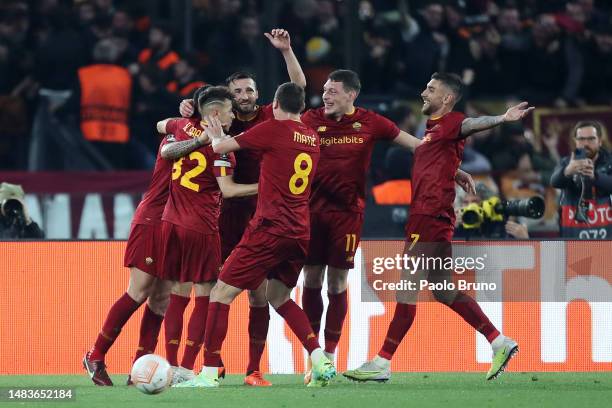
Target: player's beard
x,y
426,109
245,109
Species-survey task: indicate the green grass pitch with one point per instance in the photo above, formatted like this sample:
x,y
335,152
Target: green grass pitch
x,y
404,390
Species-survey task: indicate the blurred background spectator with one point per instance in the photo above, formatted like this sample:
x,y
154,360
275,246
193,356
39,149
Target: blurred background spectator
x,y
556,54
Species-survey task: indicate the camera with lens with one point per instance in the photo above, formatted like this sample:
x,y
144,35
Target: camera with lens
x,y
12,210
489,217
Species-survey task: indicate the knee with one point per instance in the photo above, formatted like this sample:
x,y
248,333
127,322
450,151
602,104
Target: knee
x,y
158,304
336,285
337,280
313,276
223,293
139,293
257,298
444,296
276,300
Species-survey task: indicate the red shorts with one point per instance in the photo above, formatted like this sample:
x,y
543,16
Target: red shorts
x,y
189,256
429,228
260,256
334,238
434,236
143,250
233,221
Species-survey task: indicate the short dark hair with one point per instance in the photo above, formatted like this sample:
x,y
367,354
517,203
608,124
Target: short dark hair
x,y
452,81
350,79
290,97
599,127
240,75
213,94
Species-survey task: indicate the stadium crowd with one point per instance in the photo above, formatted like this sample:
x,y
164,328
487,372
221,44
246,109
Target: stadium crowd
x,y
503,49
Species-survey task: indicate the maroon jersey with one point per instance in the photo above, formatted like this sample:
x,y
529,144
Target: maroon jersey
x,y
194,199
152,205
436,161
289,157
247,161
346,150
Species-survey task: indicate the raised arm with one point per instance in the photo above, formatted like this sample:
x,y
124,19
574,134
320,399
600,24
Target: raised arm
x,y
407,140
473,125
280,39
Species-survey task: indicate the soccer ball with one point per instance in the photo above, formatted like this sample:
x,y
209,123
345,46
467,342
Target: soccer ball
x,y
151,374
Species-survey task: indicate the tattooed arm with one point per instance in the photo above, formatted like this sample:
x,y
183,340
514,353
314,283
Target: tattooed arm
x,y
473,125
173,150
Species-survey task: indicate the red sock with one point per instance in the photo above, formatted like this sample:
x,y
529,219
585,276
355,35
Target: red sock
x,y
298,322
149,332
216,330
334,319
173,325
471,312
402,320
312,303
259,319
117,316
195,332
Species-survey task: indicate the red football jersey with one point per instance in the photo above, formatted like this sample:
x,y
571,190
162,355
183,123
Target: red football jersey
x,y
152,205
247,161
289,156
346,151
194,200
436,161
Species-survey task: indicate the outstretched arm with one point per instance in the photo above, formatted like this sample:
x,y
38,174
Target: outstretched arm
x,y
473,125
280,39
407,140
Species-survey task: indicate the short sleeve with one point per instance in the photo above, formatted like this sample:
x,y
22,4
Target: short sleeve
x,y
451,124
256,138
383,128
171,126
224,164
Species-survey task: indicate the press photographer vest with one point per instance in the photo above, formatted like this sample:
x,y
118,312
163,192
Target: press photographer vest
x,y
599,224
106,92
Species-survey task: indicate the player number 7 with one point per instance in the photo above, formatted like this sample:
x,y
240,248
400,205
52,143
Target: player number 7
x,y
415,239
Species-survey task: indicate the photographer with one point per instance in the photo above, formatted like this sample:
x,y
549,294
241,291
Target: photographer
x,y
15,221
585,179
485,216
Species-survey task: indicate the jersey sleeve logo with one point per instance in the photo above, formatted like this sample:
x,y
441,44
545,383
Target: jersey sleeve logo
x,y
170,138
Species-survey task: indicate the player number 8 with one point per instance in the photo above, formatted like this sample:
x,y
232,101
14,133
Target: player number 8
x,y
300,174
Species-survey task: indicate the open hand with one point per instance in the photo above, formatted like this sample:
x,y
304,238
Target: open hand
x,y
517,112
279,38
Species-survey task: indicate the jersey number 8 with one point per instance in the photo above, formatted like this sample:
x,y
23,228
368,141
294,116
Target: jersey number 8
x,y
300,174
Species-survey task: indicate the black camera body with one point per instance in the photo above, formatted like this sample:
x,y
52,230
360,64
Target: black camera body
x,y
13,212
489,217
